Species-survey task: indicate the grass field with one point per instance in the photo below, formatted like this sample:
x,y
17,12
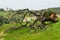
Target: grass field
x,y
52,32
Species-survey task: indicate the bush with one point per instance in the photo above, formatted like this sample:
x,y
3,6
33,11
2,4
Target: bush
x,y
1,9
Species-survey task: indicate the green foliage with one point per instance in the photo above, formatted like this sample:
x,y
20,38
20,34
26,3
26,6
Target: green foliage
x,y
1,9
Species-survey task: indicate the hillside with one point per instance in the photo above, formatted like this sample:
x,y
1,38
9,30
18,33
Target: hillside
x,y
56,10
16,25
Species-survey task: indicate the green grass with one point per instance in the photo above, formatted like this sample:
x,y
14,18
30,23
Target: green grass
x,y
51,33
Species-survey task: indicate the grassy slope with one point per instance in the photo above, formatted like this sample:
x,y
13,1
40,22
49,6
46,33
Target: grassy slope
x,y
51,33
